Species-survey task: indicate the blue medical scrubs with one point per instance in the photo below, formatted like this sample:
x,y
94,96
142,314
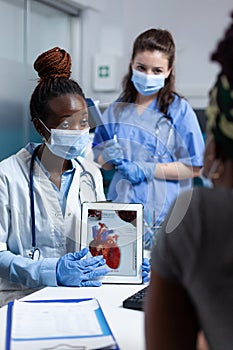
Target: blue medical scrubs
x,y
149,137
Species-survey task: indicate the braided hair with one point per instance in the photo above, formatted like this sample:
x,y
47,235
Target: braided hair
x,y
54,70
220,110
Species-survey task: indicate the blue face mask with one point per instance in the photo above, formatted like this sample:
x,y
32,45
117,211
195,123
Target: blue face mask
x,y
68,144
147,84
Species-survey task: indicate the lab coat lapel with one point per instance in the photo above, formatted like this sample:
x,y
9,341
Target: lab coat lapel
x,y
43,186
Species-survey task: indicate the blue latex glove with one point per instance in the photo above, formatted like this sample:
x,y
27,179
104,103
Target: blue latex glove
x,y
148,239
72,271
112,152
136,172
145,270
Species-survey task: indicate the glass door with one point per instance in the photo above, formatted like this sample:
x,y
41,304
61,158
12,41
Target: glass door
x,y
27,29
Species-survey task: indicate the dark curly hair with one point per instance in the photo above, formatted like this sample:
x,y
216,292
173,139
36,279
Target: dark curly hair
x,y
224,52
219,111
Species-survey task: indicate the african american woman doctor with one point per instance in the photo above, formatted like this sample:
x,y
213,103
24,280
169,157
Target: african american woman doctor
x,y
153,136
42,188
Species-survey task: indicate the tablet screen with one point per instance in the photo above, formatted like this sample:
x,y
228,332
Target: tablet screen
x,y
114,230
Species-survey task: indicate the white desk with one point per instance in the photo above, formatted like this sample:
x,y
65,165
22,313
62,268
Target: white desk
x,y
127,325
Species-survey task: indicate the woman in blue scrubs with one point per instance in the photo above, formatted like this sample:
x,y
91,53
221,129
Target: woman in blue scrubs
x,y
151,135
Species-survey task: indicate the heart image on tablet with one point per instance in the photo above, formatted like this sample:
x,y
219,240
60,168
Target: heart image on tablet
x,y
105,243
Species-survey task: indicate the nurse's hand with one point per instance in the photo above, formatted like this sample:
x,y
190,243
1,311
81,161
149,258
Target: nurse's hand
x,y
136,172
73,271
112,152
145,270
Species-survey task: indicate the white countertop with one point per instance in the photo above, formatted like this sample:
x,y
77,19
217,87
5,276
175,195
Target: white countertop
x,y
127,325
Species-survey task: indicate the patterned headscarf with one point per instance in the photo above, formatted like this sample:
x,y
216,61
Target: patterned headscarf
x,y
220,114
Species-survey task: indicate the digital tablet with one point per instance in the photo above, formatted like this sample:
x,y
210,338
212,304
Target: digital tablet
x,y
95,118
114,230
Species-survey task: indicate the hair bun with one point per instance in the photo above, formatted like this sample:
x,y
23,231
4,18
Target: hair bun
x,y
54,63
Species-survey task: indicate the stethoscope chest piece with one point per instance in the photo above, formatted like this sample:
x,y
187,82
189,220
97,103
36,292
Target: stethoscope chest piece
x,y
35,254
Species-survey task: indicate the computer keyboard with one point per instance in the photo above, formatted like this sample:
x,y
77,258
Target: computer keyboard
x,y
136,300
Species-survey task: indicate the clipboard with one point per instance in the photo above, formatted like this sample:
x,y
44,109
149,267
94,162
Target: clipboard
x,y
105,336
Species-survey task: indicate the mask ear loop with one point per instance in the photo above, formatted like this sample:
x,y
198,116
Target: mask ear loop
x,y
44,125
43,137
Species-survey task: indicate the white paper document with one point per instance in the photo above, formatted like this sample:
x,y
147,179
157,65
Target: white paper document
x,y
59,325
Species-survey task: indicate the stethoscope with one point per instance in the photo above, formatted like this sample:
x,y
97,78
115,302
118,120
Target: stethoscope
x,y
34,253
165,118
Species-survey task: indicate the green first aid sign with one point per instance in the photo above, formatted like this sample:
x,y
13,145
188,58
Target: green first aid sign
x,y
104,71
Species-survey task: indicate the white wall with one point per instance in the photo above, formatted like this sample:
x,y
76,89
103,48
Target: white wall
x,y
196,26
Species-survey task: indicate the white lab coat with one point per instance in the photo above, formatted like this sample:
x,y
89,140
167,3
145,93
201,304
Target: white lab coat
x,y
55,234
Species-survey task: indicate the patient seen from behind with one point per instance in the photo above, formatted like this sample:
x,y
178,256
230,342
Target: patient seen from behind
x,y
191,287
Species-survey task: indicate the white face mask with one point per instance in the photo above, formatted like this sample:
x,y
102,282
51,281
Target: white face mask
x,y
147,84
67,144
